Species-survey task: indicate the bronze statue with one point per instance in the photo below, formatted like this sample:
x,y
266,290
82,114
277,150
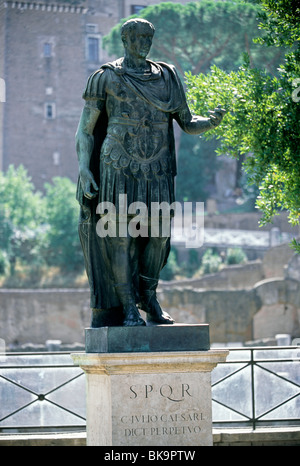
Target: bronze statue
x,y
125,146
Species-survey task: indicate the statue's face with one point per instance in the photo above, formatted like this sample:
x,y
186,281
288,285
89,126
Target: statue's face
x,y
138,42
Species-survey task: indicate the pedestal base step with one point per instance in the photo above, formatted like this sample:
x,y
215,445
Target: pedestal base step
x,y
174,337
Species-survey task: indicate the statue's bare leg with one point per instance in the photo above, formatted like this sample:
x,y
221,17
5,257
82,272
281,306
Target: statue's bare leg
x,y
122,275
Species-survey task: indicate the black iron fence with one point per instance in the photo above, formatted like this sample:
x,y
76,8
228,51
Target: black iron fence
x,y
255,387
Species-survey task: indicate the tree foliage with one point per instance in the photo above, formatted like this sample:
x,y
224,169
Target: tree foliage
x,y
62,241
199,34
263,114
198,166
37,230
194,37
280,22
21,217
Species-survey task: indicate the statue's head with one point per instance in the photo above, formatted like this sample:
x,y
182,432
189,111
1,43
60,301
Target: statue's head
x,y
136,26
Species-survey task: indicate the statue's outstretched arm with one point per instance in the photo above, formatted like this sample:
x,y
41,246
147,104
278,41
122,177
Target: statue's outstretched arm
x,y
193,124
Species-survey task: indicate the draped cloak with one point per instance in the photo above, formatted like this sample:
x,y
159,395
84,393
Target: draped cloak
x,y
161,90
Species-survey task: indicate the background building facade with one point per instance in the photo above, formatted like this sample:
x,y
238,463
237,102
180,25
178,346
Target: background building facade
x,y
47,51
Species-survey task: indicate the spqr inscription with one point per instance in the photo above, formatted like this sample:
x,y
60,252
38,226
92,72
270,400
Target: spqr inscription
x,y
176,394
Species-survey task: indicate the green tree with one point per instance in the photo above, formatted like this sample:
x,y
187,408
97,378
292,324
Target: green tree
x,y
21,203
194,37
235,256
37,231
263,115
198,165
199,34
22,217
62,246
280,22
211,262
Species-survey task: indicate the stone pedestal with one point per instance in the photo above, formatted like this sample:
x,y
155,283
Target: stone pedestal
x,y
149,398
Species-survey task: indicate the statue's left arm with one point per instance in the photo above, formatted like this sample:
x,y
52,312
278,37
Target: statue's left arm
x,y
193,124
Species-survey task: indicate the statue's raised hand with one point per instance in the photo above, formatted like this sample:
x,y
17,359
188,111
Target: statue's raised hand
x,y
88,183
216,115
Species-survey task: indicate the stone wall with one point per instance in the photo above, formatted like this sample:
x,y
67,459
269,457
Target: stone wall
x,y
231,277
241,304
36,316
271,307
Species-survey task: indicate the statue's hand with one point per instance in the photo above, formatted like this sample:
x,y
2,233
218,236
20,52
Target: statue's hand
x,y
88,183
216,115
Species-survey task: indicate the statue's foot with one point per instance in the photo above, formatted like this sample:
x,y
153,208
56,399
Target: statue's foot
x,y
155,314
163,319
132,317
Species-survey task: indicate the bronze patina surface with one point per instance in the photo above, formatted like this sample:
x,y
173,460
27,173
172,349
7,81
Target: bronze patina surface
x,y
125,146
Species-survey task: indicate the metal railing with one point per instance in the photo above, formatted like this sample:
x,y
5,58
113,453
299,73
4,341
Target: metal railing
x,y
41,391
257,387
254,387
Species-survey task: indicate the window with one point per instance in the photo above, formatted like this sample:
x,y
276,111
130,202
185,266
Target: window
x,y
91,28
49,110
2,90
135,9
47,49
92,49
56,158
47,46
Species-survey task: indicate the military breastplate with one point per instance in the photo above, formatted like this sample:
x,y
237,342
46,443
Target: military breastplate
x,y
137,134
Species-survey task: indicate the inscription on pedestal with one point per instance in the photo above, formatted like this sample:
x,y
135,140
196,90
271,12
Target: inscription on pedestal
x,y
153,399
158,409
